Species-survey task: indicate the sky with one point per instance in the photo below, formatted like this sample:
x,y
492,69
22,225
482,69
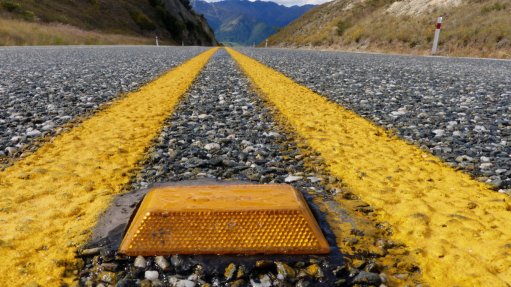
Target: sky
x,y
289,2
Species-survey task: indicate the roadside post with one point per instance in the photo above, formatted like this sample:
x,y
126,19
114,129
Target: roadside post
x,y
157,44
437,35
266,44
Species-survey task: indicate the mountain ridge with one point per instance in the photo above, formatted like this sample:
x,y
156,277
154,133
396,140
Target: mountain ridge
x,y
245,22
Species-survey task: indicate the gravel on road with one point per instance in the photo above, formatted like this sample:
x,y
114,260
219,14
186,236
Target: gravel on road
x,y
42,88
458,109
222,131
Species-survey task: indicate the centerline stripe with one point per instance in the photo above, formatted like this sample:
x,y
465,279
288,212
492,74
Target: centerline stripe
x,y
458,229
50,200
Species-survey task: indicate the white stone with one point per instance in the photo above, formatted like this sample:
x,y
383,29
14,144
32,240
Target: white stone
x,y
438,132
265,282
463,158
15,139
162,262
292,178
140,262
212,146
485,159
185,283
479,129
47,127
10,150
151,275
486,165
33,133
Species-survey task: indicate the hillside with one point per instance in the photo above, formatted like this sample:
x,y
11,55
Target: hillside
x,y
242,22
471,27
130,21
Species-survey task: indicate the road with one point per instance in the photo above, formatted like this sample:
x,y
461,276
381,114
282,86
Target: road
x,y
42,89
393,213
458,109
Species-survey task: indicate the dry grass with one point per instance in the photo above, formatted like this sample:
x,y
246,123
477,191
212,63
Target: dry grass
x,y
20,33
480,28
134,18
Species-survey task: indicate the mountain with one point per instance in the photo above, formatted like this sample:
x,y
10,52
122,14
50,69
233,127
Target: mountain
x,y
173,21
244,22
470,27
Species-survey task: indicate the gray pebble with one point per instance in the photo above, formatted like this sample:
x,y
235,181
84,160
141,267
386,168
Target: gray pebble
x,y
367,278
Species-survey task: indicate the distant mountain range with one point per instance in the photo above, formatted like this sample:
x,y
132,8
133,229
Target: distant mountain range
x,y
242,22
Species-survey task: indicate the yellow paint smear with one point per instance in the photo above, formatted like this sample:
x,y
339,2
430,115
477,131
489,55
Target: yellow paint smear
x,y
458,229
50,200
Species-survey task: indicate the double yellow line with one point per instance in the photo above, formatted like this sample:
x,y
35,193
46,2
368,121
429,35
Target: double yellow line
x,y
50,200
458,230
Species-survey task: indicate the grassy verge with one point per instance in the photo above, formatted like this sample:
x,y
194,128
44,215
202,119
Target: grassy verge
x,y
477,28
22,33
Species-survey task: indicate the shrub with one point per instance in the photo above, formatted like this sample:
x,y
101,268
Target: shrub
x,y
28,15
493,7
10,6
156,3
354,34
142,21
342,26
172,24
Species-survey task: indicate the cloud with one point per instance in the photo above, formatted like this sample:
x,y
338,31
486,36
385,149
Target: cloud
x,y
288,2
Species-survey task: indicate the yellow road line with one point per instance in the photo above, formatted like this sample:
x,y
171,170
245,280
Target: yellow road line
x,y
458,229
50,200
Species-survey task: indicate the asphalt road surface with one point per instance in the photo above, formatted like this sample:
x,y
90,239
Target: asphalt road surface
x,y
392,211
458,109
43,88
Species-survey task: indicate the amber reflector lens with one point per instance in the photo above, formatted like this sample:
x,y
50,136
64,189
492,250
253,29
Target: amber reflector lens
x,y
224,219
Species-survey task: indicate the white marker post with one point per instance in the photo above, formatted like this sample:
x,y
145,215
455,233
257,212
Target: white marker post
x,y
157,44
266,44
437,35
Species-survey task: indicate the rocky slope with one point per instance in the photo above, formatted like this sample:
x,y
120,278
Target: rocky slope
x,y
173,21
471,27
245,22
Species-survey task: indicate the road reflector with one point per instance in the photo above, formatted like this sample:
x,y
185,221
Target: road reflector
x,y
223,219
